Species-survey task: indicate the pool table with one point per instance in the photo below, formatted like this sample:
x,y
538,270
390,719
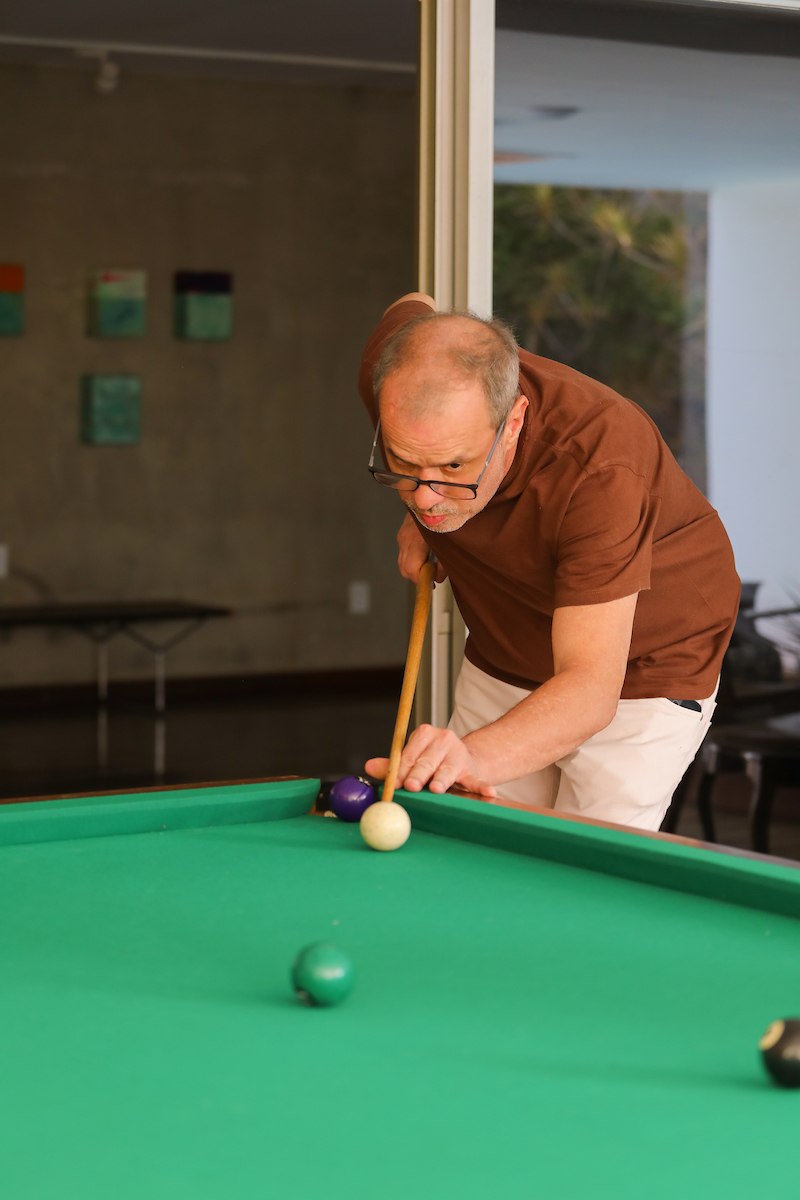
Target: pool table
x,y
543,1007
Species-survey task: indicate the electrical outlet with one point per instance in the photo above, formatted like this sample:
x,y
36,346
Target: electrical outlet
x,y
359,597
3,561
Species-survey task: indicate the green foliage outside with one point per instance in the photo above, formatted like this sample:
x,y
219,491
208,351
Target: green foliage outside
x,y
596,279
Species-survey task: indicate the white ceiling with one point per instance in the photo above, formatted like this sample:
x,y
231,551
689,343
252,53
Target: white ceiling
x,y
650,116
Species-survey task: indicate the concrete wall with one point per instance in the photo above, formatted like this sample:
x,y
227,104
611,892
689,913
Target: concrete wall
x,y
249,487
753,401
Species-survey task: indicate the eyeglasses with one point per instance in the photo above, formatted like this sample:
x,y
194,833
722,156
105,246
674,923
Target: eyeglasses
x,y
409,483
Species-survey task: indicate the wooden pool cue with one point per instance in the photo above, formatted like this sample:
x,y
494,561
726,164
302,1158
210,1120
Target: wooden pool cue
x,y
416,638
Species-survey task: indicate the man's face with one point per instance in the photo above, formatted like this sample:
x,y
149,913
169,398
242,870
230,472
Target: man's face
x,y
447,438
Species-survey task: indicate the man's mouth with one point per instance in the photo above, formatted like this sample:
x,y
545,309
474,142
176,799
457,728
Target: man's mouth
x,y
433,518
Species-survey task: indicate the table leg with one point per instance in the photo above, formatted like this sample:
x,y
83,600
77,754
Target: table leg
x,y
102,672
765,784
710,760
161,680
673,813
102,703
160,747
102,737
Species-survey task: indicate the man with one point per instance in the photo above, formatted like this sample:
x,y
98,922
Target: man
x,y
597,582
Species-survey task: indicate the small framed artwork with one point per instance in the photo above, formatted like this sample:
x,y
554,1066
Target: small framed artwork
x,y
203,305
117,303
111,410
12,300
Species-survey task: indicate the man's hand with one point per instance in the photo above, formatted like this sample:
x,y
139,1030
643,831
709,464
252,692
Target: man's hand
x,y
590,651
435,757
414,552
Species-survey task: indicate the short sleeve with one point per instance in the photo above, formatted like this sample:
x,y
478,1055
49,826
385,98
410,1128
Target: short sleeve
x,y
394,319
605,542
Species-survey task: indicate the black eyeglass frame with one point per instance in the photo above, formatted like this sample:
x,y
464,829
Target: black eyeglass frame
x,y
434,484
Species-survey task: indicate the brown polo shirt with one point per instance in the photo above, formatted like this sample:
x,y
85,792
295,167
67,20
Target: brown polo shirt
x,y
593,508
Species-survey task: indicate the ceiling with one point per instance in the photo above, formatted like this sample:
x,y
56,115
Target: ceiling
x,y
385,30
617,114
594,111
375,31
733,26
348,28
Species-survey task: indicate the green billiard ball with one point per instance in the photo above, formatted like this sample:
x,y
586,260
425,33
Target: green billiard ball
x,y
322,975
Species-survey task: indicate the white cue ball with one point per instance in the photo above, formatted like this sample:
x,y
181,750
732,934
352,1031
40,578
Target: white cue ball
x,y
385,825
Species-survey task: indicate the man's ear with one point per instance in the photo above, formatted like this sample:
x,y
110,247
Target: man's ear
x,y
516,416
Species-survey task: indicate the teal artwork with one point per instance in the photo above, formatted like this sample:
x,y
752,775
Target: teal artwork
x,y
111,410
12,300
204,305
118,303
12,314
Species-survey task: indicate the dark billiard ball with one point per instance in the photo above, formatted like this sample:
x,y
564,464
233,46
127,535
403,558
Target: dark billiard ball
x,y
780,1050
322,975
323,799
350,797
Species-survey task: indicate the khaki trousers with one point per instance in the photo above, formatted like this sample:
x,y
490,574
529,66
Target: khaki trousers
x,y
626,773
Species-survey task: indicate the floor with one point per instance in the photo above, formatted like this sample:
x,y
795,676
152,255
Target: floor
x,y
732,830
56,752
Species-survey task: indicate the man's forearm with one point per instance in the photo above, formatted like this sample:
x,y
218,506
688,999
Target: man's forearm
x,y
554,720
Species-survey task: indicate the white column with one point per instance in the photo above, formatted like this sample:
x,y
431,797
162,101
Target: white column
x,y
753,394
456,90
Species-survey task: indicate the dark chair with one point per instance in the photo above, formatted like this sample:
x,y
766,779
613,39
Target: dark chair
x,y
751,658
768,753
748,734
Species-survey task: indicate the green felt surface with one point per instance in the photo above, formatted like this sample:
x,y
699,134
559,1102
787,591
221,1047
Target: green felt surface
x,y
152,812
753,881
519,1027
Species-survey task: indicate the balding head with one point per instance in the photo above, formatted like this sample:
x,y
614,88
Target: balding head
x,y
439,354
446,383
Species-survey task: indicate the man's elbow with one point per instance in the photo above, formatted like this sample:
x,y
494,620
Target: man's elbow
x,y
421,297
599,710
605,716
607,706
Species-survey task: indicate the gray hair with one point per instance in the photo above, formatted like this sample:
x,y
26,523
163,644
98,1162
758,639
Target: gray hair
x,y
493,361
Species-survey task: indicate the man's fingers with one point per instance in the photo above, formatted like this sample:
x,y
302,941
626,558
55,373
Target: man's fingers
x,y
420,738
426,749
436,747
417,774
444,777
421,772
435,757
413,549
452,771
471,783
415,747
409,568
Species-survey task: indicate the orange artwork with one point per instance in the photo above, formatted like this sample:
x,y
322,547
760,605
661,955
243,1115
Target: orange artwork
x,y
12,277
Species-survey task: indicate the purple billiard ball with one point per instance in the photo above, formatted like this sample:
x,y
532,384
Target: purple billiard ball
x,y
351,797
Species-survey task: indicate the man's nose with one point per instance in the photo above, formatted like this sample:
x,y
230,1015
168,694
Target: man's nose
x,y
425,497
